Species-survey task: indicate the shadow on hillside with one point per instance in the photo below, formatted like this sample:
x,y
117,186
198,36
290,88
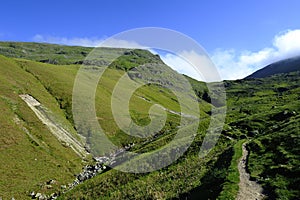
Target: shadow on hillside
x,y
212,182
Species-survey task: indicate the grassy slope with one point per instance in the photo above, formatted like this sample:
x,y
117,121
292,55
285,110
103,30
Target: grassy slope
x,y
26,163
58,80
230,188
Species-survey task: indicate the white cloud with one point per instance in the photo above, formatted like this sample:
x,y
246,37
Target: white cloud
x,y
182,66
236,65
192,64
288,43
117,43
87,42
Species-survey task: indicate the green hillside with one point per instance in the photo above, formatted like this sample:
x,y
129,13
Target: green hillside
x,y
30,155
263,112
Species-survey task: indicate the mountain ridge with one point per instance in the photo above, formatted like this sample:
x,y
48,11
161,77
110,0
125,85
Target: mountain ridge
x,y
283,66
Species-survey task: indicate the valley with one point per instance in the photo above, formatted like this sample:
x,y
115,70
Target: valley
x,y
257,155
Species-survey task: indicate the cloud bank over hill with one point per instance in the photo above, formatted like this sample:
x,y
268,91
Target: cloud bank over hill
x,y
236,65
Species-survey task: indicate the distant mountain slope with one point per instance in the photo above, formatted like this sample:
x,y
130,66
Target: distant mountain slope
x,y
283,66
57,54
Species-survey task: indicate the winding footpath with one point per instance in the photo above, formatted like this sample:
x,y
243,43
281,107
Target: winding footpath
x,y
248,190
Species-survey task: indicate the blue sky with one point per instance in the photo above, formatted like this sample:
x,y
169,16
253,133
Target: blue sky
x,y
228,30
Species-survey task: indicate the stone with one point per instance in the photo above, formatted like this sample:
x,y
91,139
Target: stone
x,y
38,195
32,194
53,196
43,197
49,186
51,182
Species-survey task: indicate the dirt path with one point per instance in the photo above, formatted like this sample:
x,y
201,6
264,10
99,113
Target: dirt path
x,y
248,190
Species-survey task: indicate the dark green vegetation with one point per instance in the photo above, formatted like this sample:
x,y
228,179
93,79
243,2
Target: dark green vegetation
x,y
265,112
290,65
230,187
134,58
